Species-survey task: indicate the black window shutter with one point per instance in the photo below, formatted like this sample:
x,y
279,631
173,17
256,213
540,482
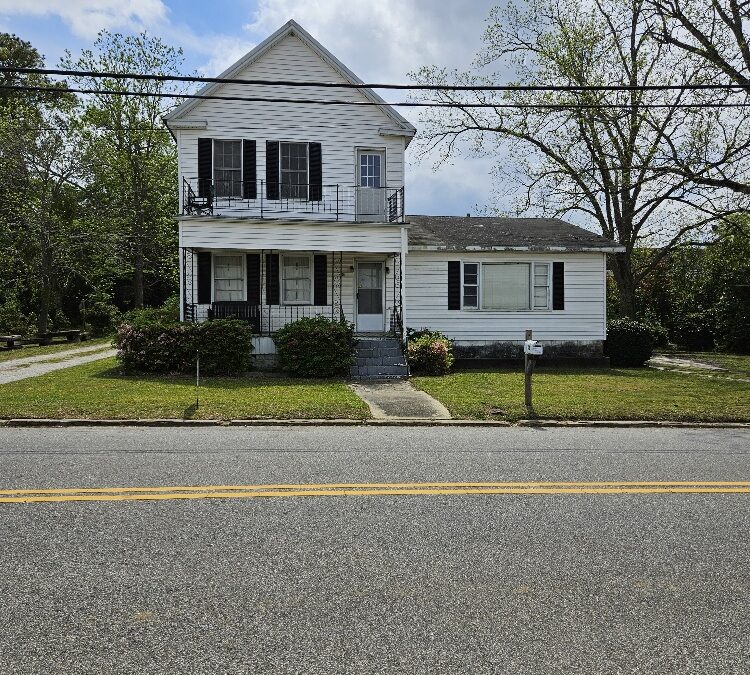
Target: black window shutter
x,y
204,167
316,172
558,285
249,184
454,284
320,283
272,169
272,278
204,278
253,278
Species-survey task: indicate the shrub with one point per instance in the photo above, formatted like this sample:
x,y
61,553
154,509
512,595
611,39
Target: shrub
x,y
14,322
316,347
734,323
168,313
429,352
695,330
225,347
629,343
100,314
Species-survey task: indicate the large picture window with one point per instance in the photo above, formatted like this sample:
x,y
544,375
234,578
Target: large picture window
x,y
228,168
293,165
296,279
505,286
228,278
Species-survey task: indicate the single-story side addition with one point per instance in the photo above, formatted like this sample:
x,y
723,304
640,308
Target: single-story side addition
x,y
484,281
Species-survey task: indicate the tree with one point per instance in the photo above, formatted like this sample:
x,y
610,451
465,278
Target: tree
x,y
603,156
40,164
131,156
712,32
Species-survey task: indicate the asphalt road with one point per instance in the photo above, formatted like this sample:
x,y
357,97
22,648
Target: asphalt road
x,y
571,583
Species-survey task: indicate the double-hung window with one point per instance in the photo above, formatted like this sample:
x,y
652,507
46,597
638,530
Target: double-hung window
x,y
228,278
541,285
294,175
228,168
296,280
471,286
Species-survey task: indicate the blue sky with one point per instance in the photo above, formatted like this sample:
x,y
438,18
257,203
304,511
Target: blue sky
x,y
380,40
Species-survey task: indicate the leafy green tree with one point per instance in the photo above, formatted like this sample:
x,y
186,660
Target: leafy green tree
x,y
131,158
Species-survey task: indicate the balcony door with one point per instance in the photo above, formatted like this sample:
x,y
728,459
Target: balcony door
x,y
370,301
371,185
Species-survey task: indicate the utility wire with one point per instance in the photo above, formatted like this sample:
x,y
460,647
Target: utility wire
x,y
376,85
406,104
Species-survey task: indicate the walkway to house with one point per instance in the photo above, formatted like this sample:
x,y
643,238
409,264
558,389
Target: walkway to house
x,y
33,366
398,400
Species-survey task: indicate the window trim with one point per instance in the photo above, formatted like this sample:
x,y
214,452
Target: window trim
x,y
307,171
213,166
480,278
243,258
383,163
296,254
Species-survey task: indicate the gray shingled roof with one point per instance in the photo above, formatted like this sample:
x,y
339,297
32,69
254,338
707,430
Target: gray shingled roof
x,y
462,233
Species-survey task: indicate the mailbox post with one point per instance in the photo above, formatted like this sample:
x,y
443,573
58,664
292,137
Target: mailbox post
x,y
531,349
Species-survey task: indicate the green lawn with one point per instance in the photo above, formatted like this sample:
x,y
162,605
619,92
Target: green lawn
x,y
98,391
637,394
56,349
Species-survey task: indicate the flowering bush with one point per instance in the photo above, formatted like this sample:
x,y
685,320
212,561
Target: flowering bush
x,y
430,353
224,346
317,347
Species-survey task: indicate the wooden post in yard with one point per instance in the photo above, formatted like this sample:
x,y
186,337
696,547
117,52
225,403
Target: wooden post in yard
x,y
528,366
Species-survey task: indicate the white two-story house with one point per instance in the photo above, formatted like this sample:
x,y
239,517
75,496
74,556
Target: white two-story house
x,y
292,204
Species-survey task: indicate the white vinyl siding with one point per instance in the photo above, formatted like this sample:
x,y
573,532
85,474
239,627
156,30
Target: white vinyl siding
x,y
253,235
296,279
339,129
229,278
584,316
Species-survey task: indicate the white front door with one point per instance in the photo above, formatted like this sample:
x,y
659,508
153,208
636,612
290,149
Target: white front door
x,y
371,185
369,300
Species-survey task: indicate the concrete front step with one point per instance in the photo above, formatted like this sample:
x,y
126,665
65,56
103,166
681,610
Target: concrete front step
x,y
379,358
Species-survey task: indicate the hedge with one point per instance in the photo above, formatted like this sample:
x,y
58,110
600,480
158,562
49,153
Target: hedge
x,y
225,347
316,347
629,343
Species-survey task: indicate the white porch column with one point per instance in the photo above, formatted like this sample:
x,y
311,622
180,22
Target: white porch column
x,y
404,248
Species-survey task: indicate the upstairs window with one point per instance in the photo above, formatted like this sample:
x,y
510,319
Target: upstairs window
x,y
228,168
294,174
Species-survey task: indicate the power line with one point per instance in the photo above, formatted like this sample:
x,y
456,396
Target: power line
x,y
375,85
405,104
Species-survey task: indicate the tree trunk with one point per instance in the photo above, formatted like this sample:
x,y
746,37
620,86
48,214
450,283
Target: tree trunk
x,y
45,299
138,279
625,284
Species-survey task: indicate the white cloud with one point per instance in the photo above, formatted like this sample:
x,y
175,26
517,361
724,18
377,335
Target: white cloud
x,y
87,17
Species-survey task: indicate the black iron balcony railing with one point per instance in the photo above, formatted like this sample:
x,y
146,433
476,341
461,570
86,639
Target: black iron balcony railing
x,y
260,199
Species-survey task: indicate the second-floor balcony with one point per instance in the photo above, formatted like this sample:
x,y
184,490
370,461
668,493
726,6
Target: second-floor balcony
x,y
260,199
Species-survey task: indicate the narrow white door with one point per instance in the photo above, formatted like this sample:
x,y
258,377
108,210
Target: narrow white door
x,y
370,185
369,300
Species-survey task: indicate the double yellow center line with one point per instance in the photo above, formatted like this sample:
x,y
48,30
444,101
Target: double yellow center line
x,y
367,490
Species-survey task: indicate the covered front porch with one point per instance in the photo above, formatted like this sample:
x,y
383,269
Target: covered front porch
x,y
270,288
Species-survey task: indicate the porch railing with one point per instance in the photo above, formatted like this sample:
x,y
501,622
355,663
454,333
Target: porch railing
x,y
261,199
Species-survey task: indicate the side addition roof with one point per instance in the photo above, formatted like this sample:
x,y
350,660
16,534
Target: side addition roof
x,y
402,126
459,233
